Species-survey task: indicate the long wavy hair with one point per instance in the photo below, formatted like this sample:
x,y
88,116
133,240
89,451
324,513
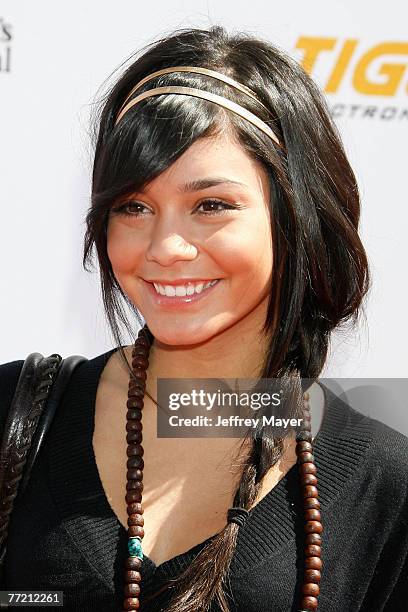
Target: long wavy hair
x,y
320,270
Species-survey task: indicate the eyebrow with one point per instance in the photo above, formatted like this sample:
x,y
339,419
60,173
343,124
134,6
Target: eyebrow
x,y
199,184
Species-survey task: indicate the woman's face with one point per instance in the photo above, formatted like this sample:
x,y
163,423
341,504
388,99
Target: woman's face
x,y
204,219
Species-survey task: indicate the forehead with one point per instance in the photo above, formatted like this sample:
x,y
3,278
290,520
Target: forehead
x,y
217,160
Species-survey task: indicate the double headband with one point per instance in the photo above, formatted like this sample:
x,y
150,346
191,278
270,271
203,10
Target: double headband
x,y
199,93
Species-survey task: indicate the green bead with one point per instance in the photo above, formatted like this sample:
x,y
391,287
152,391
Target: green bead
x,y
135,547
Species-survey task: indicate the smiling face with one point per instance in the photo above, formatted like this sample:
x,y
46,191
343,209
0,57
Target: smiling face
x,y
205,219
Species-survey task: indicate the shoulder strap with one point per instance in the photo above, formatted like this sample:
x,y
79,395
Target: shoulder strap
x,y
41,379
66,369
36,377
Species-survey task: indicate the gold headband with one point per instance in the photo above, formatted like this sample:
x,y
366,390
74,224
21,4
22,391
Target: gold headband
x,y
199,93
199,70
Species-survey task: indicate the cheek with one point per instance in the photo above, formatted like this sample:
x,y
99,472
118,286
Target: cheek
x,y
123,250
245,251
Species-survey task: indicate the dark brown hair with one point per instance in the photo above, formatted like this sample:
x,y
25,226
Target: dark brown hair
x,y
320,271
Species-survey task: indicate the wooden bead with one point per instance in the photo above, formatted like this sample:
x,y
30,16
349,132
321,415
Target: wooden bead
x,y
307,468
309,603
136,530
135,403
135,462
134,413
134,474
136,381
134,436
313,538
132,589
313,563
311,588
140,361
312,515
308,479
141,355
133,496
311,502
133,563
135,509
134,425
134,485
304,446
304,457
309,491
313,551
140,348
137,519
313,527
135,449
132,603
133,576
141,339
139,373
137,393
137,388
312,575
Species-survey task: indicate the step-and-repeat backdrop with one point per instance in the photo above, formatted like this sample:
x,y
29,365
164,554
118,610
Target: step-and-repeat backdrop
x,y
54,57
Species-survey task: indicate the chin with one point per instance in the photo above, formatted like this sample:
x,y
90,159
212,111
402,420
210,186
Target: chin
x,y
182,335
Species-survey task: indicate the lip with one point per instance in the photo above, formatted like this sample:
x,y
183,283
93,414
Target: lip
x,y
180,300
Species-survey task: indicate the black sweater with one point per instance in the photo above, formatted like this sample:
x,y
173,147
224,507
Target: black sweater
x,y
64,535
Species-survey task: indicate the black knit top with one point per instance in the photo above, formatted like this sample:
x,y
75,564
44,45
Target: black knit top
x,y
64,535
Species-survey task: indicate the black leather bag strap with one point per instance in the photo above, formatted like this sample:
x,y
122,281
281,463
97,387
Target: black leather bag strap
x,y
66,369
41,384
36,377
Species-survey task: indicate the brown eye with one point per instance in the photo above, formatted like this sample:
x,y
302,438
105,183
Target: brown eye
x,y
215,207
130,209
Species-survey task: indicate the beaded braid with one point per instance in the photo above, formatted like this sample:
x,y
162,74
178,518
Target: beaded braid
x,y
223,543
200,579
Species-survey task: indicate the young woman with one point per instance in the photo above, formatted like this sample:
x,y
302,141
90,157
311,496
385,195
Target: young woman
x,y
225,213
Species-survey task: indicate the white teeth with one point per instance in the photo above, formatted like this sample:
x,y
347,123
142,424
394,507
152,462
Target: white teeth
x,y
159,288
170,291
182,290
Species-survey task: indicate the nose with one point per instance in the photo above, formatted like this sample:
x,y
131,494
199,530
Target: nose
x,y
168,245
